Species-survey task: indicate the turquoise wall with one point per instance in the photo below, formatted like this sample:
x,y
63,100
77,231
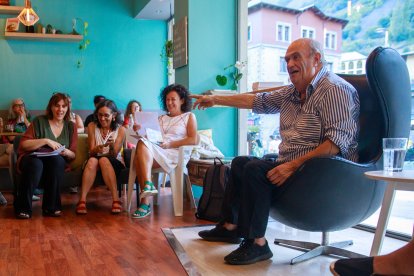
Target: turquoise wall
x,y
122,61
212,37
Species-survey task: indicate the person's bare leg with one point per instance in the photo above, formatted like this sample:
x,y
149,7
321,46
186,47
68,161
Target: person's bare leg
x,y
109,177
399,262
88,177
143,164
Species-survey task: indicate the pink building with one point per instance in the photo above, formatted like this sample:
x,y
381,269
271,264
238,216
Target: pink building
x,y
271,28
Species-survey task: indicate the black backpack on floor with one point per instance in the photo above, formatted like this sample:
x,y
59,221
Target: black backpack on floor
x,y
214,184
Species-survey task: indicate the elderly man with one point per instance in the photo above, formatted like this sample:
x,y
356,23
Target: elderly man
x,y
318,117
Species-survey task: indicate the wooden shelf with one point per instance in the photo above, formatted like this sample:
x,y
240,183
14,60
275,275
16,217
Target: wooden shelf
x,y
43,37
10,9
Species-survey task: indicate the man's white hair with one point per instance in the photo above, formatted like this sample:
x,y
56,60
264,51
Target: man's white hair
x,y
316,47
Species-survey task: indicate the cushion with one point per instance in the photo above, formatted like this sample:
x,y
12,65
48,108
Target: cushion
x,y
81,151
206,132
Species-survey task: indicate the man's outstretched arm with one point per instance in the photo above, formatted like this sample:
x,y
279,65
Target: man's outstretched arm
x,y
240,101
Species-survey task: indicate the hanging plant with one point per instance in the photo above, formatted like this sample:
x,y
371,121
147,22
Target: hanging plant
x,y
167,55
85,42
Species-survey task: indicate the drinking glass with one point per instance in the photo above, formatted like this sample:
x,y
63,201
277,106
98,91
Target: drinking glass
x,y
394,150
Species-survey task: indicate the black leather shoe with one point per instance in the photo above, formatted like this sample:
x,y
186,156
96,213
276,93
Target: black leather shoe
x,y
249,253
220,234
353,267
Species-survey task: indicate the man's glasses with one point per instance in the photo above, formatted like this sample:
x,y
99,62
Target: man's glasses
x,y
18,105
104,115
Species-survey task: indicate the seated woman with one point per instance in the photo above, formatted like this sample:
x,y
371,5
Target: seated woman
x,y
75,118
132,107
18,121
105,138
46,133
178,128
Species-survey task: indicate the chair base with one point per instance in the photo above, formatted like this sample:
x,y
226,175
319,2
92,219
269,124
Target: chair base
x,y
316,249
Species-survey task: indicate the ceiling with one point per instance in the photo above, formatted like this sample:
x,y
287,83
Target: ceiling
x,y
157,10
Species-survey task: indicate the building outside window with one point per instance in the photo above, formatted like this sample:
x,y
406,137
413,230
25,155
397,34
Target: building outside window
x,y
359,67
282,65
249,33
329,65
347,43
308,32
330,40
351,67
283,32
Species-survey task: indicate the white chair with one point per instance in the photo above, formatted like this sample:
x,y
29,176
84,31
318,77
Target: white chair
x,y
177,178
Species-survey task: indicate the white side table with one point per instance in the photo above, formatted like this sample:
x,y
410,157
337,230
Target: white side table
x,y
395,181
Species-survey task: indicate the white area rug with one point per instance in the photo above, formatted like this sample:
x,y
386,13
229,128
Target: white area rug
x,y
200,257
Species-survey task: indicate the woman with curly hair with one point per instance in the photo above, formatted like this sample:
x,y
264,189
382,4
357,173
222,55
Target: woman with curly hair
x,y
178,128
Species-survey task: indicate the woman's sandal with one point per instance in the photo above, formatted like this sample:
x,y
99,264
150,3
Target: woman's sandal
x,y
81,208
23,215
116,207
48,213
149,190
143,211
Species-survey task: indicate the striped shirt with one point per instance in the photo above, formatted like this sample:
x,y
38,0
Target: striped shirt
x,y
330,111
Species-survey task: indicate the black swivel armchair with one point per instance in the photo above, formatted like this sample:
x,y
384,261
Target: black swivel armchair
x,y
330,194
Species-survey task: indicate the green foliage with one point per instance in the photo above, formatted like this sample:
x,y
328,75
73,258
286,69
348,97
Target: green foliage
x,y
384,22
399,20
167,53
253,129
372,33
83,45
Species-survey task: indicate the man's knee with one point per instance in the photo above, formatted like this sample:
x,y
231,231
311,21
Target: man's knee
x,y
240,161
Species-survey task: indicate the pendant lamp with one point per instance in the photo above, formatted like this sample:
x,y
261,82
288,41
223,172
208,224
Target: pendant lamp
x,y
27,16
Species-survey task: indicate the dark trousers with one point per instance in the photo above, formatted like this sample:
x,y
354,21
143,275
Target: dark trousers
x,y
47,170
249,196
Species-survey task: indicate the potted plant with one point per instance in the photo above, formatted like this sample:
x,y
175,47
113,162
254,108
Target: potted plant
x,y
167,55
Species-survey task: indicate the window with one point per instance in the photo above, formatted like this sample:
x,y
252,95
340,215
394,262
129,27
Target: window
x,y
330,40
283,32
249,33
329,65
347,48
282,65
351,67
359,67
308,32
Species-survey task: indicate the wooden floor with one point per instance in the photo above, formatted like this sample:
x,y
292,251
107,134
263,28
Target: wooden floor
x,y
95,244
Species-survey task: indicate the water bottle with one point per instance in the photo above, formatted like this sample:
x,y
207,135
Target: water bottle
x,y
131,122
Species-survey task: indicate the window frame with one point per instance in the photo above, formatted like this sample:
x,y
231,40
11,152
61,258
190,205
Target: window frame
x,y
307,29
282,65
284,25
330,35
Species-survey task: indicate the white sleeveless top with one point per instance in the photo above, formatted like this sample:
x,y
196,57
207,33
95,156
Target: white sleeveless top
x,y
110,137
172,129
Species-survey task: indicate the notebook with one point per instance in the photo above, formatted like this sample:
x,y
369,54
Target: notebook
x,y
150,126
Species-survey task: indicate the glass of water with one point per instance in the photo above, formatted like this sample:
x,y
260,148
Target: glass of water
x,y
394,150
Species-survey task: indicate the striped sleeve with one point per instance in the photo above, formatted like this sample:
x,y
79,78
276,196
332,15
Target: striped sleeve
x,y
339,110
269,102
